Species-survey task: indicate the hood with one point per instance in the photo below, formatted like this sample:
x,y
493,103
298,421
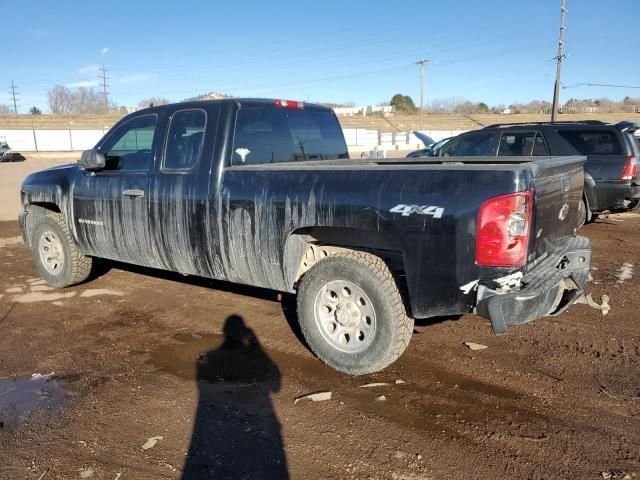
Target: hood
x,y
426,139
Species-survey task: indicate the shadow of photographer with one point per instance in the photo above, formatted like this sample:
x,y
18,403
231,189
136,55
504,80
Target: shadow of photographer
x,y
236,433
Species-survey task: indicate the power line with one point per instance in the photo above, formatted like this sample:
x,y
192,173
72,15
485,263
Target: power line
x,y
103,78
421,63
573,85
559,58
13,93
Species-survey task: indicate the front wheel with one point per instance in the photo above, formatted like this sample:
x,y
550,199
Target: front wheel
x,y
352,314
56,256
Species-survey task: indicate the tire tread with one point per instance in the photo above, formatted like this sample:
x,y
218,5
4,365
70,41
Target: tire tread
x,y
80,265
401,323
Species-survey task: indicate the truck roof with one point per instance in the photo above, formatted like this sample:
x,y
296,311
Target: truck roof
x,y
245,102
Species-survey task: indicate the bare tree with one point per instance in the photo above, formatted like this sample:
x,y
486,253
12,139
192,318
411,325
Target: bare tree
x,y
59,99
87,100
465,107
4,109
155,101
63,100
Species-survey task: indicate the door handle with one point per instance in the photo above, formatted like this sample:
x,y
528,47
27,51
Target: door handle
x,y
133,192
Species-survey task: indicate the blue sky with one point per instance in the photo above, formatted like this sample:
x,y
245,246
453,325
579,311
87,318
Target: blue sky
x,y
340,51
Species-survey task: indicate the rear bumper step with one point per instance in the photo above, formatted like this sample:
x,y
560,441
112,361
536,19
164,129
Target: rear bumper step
x,y
548,289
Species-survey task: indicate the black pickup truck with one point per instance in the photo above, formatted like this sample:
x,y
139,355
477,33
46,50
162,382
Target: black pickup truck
x,y
262,192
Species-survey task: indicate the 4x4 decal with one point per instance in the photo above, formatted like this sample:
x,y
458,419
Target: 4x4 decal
x,y
406,210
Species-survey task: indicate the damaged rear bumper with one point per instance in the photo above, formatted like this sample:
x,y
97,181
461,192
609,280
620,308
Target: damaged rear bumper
x,y
547,289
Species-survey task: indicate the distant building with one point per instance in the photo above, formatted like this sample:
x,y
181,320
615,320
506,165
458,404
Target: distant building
x,y
210,96
364,110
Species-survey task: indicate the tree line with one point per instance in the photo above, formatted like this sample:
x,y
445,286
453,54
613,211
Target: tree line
x,y
461,106
79,100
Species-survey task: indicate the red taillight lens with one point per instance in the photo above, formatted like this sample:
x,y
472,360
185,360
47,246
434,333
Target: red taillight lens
x,y
502,236
289,104
630,168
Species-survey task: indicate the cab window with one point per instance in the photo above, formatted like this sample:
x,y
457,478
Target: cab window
x,y
275,135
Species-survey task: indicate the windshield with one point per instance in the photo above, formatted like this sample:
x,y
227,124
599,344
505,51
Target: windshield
x,y
272,135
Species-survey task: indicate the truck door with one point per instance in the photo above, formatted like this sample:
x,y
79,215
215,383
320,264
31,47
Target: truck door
x,y
180,211
111,206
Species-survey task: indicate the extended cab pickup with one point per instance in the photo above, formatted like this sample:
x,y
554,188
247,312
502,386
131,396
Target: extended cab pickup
x,y
263,193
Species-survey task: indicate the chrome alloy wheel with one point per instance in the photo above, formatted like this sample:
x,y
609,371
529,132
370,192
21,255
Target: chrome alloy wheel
x,y
51,252
345,316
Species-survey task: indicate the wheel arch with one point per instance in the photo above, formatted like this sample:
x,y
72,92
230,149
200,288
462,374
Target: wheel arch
x,y
33,212
306,246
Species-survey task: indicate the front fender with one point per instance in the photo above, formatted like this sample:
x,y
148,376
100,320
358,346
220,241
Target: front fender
x,y
46,191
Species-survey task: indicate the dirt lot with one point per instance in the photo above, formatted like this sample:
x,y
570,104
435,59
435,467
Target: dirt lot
x,y
214,370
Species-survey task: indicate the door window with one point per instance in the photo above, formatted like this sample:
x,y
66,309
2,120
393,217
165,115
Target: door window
x,y
185,140
130,147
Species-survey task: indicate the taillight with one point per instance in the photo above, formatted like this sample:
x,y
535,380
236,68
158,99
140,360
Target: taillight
x,y
289,104
502,236
630,168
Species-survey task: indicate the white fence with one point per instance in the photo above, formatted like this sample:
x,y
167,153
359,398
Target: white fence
x,y
51,140
70,140
365,138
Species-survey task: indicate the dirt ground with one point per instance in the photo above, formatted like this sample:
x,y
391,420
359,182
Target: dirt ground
x,y
214,369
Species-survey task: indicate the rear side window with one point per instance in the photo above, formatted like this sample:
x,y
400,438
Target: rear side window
x,y
274,135
474,144
185,139
522,144
593,142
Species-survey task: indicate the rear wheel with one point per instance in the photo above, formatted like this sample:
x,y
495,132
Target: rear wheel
x,y
352,314
56,256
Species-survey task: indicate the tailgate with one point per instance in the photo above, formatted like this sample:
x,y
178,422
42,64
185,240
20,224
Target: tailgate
x,y
559,183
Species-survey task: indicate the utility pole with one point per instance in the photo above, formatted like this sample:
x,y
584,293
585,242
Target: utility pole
x,y
13,93
103,78
561,56
421,63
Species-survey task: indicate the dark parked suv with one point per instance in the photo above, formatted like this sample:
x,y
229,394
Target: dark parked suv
x,y
611,181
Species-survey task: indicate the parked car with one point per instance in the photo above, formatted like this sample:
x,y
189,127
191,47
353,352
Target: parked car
x,y
262,193
431,149
7,155
612,180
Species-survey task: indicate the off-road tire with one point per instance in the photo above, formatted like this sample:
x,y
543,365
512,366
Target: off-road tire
x,y
393,326
75,267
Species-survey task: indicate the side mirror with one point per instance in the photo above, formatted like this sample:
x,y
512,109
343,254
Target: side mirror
x,y
92,160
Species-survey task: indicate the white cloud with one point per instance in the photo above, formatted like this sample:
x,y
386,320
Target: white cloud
x,y
41,33
104,50
84,83
133,78
88,70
